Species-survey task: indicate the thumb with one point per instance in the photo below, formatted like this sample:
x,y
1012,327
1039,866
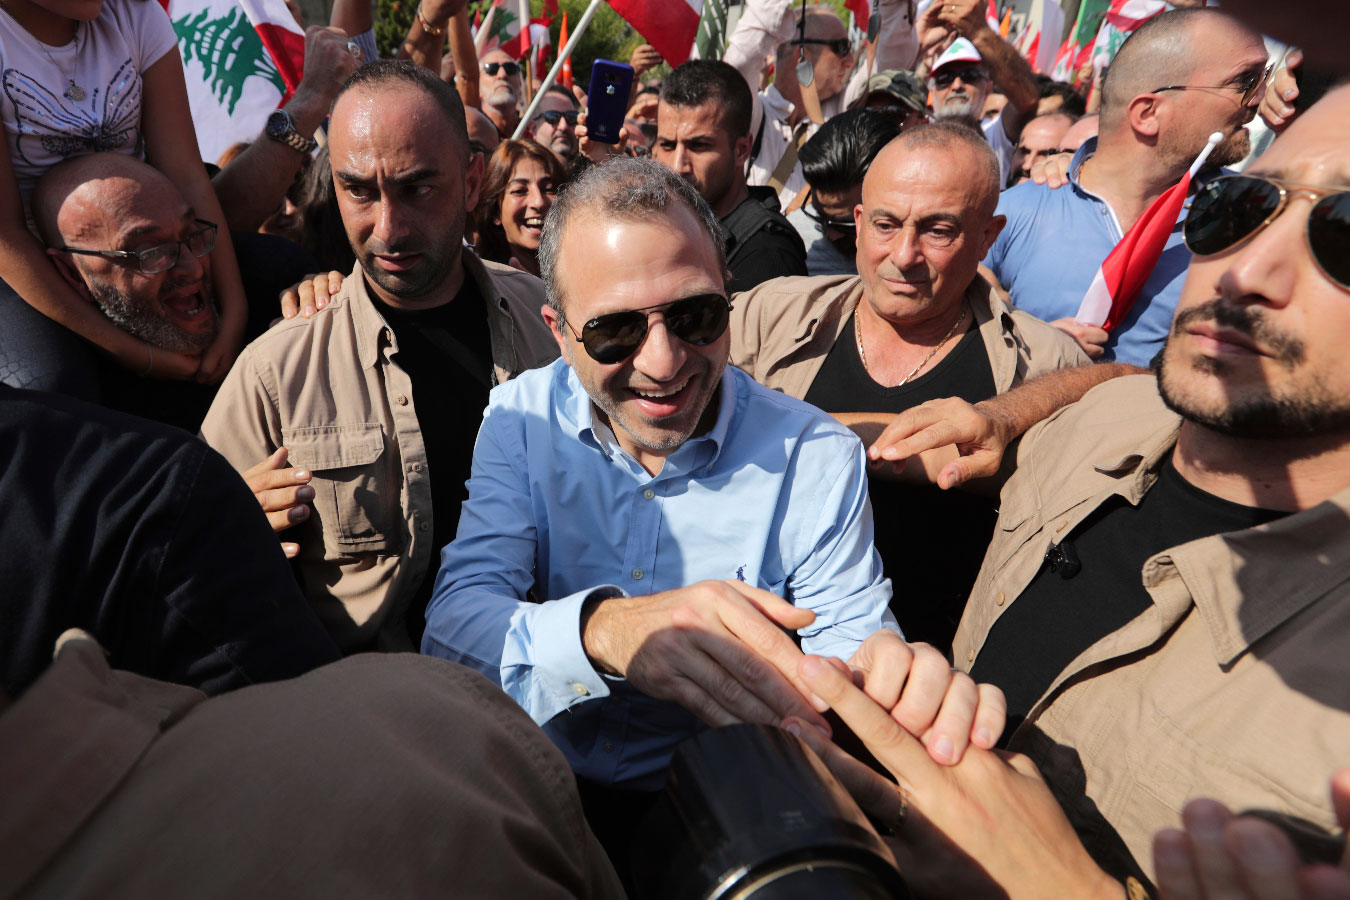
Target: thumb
x,y
963,469
1340,797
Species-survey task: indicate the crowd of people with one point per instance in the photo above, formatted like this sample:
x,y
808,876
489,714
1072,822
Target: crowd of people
x,y
394,504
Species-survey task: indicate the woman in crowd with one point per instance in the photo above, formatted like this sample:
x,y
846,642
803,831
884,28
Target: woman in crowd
x,y
521,184
93,77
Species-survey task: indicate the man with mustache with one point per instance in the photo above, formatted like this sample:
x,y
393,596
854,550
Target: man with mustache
x,y
1165,602
1180,77
121,234
499,86
378,398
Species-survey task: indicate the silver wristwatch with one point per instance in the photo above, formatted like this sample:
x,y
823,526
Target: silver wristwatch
x,y
281,128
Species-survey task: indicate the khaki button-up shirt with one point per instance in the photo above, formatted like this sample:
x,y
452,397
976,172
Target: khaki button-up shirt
x,y
1233,684
782,330
330,390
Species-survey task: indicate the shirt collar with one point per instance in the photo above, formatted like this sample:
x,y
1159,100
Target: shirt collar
x,y
1080,156
370,325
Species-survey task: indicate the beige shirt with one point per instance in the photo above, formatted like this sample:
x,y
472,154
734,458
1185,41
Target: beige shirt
x,y
1233,685
782,330
329,389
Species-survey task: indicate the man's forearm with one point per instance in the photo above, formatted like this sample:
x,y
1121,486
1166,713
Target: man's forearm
x,y
423,46
1009,71
252,186
1025,405
465,56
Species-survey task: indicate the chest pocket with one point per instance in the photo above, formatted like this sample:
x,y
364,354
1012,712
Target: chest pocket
x,y
355,496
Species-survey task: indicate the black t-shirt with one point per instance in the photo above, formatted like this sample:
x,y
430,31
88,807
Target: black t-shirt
x,y
1091,584
931,541
767,246
447,353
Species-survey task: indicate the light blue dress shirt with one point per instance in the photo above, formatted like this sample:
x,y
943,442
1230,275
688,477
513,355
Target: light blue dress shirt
x,y
775,494
1053,245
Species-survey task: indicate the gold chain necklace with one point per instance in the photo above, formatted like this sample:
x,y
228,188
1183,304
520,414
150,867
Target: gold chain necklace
x,y
857,333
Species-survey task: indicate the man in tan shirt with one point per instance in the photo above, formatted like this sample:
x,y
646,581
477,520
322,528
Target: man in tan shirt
x,y
916,324
1166,599
378,399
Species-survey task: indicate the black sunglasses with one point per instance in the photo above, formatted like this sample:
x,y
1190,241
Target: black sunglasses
x,y
969,76
554,116
697,320
1232,208
839,46
510,67
812,212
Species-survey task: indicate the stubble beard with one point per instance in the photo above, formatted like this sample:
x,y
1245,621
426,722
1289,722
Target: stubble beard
x,y
138,320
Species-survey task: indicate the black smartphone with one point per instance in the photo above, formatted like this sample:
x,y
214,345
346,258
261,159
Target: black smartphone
x,y
607,100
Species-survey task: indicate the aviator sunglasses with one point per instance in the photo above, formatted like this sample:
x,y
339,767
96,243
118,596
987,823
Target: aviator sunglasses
x,y
697,320
511,69
1232,208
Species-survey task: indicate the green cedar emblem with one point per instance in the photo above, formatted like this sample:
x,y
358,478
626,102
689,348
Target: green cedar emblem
x,y
229,50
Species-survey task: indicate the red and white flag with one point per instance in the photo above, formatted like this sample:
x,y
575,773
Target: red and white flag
x,y
668,25
241,60
1125,271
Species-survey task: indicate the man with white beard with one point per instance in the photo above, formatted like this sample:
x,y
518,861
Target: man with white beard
x,y
500,87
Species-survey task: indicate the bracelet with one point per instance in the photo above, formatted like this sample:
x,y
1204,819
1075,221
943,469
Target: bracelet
x,y
149,359
427,26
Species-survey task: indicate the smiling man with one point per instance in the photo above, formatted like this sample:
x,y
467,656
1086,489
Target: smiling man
x,y
121,234
379,397
644,522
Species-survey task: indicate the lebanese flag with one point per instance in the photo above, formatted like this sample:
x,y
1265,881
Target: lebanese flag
x,y
668,25
565,76
862,10
1127,15
240,62
282,36
1124,272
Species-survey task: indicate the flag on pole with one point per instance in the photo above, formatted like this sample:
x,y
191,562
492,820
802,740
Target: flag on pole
x,y
232,81
1077,48
1126,269
281,35
565,75
668,25
1120,21
861,9
503,27
711,42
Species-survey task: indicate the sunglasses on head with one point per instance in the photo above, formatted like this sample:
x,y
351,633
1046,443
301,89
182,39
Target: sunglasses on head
x,y
1232,208
554,116
945,78
839,46
697,320
510,68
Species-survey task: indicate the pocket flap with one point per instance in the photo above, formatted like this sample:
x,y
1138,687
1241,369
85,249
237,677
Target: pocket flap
x,y
334,446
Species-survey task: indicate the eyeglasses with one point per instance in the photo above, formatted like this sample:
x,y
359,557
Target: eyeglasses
x,y
1232,208
1252,86
161,257
554,116
697,320
839,46
812,212
511,69
972,75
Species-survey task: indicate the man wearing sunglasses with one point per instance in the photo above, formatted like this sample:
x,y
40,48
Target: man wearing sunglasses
x,y
970,66
122,235
554,125
1178,78
501,90
644,522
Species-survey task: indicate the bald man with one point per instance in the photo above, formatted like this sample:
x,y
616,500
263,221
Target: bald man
x,y
120,233
916,324
1178,78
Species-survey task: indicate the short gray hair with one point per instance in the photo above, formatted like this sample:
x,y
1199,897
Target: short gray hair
x,y
622,188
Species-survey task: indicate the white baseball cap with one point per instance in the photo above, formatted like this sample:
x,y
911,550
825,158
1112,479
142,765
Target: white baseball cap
x,y
961,50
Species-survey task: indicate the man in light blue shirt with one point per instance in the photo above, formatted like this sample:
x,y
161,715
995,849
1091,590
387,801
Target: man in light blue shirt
x,y
1178,78
638,512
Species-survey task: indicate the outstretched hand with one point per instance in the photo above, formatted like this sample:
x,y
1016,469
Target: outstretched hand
x,y
980,437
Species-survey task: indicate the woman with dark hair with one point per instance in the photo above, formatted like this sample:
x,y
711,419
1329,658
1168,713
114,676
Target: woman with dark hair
x,y
521,183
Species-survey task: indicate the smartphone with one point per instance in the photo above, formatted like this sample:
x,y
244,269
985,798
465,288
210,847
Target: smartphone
x,y
607,100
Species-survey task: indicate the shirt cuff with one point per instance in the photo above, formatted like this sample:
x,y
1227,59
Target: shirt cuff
x,y
561,668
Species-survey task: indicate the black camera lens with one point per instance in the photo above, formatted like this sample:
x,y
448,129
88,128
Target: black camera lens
x,y
750,812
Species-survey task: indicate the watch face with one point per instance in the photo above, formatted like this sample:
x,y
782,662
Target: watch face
x,y
278,124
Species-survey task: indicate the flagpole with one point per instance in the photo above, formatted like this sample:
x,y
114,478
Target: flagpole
x,y
563,55
484,29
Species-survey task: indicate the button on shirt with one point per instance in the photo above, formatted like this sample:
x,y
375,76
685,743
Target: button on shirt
x,y
1054,243
775,494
